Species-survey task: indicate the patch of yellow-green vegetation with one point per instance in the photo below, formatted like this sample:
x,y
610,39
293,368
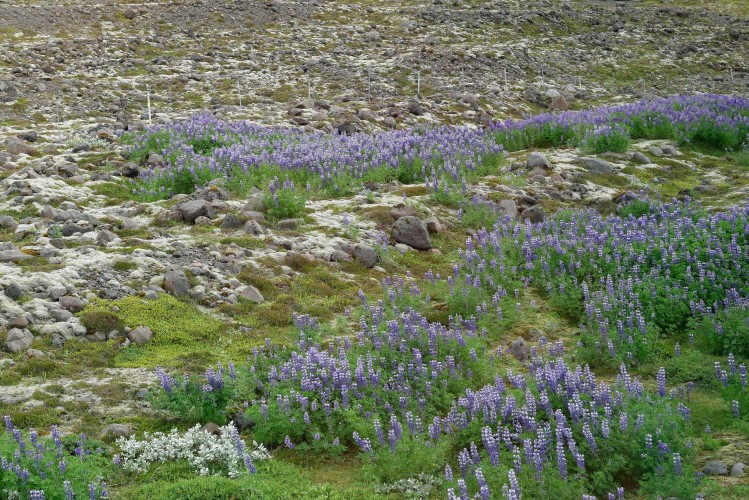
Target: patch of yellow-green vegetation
x,y
124,265
612,180
378,214
39,417
418,263
722,6
38,264
114,191
244,241
183,335
317,290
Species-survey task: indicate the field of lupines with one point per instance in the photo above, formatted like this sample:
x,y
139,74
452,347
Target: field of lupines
x,y
419,393
246,155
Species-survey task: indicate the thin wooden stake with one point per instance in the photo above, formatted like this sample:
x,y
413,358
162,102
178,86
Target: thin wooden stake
x,y
148,97
369,84
59,129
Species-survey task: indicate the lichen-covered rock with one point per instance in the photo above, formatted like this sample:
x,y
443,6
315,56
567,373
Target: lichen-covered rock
x,y
412,232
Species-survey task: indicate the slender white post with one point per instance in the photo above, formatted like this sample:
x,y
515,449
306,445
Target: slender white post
x,y
148,97
59,129
239,93
580,82
369,84
542,79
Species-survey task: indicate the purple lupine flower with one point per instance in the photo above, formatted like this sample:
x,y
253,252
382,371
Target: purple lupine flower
x,y
69,493
661,380
248,464
448,473
288,443
678,470
735,407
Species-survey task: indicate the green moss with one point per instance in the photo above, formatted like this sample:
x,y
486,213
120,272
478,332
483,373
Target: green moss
x,y
182,333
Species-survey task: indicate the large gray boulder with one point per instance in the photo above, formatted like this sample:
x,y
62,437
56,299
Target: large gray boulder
x,y
537,160
596,165
175,281
640,158
18,340
535,214
140,335
16,146
508,208
11,253
411,231
193,209
114,431
251,293
519,349
72,304
364,254
715,468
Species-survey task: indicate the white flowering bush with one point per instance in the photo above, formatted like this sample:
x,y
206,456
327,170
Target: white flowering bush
x,y
207,454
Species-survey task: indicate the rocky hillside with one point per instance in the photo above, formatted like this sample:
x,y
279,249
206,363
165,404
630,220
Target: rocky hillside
x,y
344,288
361,62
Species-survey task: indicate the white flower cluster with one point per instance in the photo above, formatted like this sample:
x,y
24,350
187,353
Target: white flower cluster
x,y
206,453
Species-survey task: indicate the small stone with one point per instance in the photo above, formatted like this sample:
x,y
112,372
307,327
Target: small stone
x,y
18,340
433,225
364,254
738,469
175,281
287,224
114,431
155,159
508,208
596,165
14,291
18,322
715,468
141,393
412,232
72,304
402,211
104,237
537,160
193,209
212,428
253,227
251,293
151,295
535,334
640,158
536,214
519,349
8,223
231,221
140,335
669,150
